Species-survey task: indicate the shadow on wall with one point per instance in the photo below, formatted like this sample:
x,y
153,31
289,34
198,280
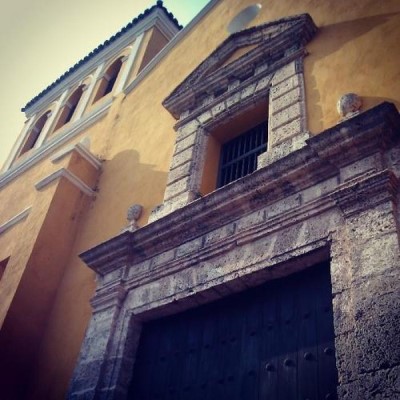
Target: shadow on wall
x,y
126,181
331,39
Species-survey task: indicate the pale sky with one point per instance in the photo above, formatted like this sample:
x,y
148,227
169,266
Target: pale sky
x,y
41,39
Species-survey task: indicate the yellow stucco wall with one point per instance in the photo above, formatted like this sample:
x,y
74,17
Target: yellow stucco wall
x,y
355,50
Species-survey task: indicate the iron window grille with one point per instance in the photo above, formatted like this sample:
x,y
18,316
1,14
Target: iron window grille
x,y
239,156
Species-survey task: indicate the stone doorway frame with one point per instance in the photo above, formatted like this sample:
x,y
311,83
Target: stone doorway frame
x,y
334,198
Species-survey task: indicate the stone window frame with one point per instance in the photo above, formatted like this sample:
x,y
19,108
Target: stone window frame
x,y
214,93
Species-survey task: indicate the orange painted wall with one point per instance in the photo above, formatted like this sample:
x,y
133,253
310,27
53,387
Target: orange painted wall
x,y
355,50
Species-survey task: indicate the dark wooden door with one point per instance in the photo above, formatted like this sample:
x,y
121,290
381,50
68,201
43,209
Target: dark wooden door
x,y
273,342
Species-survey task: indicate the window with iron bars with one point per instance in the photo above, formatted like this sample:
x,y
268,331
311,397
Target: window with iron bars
x,y
239,156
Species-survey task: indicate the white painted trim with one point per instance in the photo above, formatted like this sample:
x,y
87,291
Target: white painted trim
x,y
55,142
72,178
18,144
88,93
81,150
128,64
161,22
169,46
15,219
157,19
55,115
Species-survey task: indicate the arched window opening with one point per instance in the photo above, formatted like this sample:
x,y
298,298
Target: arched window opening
x,y
69,108
34,133
108,81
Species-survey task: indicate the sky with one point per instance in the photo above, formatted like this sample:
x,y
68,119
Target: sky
x,y
41,39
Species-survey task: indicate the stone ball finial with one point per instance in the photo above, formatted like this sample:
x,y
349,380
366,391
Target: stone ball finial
x,y
348,105
133,214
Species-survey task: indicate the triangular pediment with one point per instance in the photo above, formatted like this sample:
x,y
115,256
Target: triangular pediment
x,y
240,53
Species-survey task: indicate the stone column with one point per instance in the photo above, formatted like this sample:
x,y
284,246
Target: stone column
x,y
105,364
366,290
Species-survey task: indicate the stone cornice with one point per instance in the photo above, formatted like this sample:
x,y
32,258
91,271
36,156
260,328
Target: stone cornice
x,y
356,196
274,42
15,219
299,170
72,178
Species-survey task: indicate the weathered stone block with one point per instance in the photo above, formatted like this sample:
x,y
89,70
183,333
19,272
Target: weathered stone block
x,y
368,164
292,97
250,220
176,188
316,228
248,91
285,86
376,256
372,223
285,132
219,234
205,117
138,269
217,109
346,358
284,73
188,141
179,172
176,202
383,384
263,83
341,263
189,247
187,129
319,189
233,100
282,206
163,258
116,371
183,157
284,116
112,276
286,238
343,313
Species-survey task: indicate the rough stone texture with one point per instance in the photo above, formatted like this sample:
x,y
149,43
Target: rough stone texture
x,y
284,73
285,116
368,164
282,102
179,172
184,144
288,144
320,202
286,130
176,188
187,129
182,158
284,87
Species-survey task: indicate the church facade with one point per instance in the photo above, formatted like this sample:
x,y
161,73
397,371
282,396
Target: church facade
x,y
255,155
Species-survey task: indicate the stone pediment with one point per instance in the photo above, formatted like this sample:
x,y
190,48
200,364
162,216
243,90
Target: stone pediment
x,y
251,51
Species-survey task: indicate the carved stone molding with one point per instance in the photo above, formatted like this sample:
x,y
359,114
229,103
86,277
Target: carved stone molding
x,y
319,161
279,220
222,87
366,193
349,105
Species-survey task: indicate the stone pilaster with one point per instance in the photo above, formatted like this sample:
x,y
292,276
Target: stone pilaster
x,y
105,365
365,260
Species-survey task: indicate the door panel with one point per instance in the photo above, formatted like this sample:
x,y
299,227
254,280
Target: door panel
x,y
273,342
